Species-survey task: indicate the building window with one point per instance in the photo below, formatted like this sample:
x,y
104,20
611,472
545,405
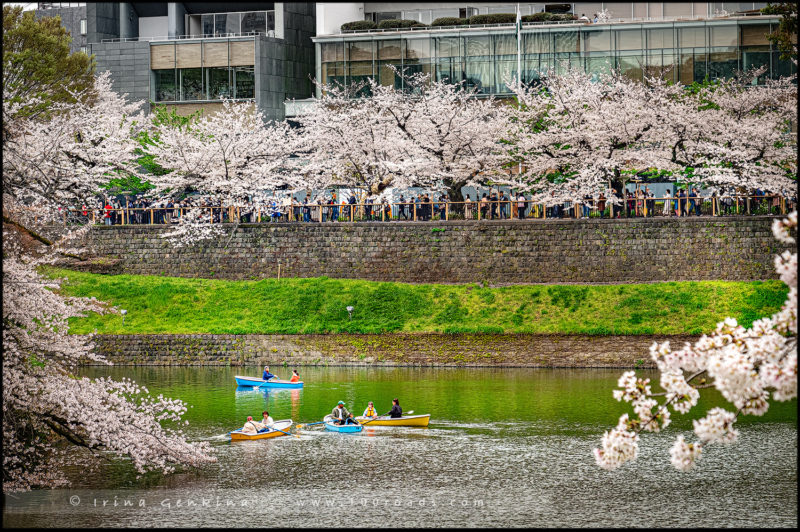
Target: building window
x,y
394,15
220,24
254,21
191,84
218,83
83,26
83,50
244,83
164,85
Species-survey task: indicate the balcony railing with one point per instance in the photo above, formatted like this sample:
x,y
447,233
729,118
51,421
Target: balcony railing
x,y
270,33
675,18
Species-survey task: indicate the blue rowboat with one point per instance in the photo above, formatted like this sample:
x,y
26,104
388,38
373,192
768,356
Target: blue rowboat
x,y
329,425
274,383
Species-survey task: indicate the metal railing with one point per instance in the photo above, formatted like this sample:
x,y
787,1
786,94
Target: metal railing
x,y
268,33
667,18
509,209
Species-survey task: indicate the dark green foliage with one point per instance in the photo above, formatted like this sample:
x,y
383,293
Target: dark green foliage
x,y
569,297
537,17
785,36
397,23
452,313
494,18
37,62
450,21
359,25
550,17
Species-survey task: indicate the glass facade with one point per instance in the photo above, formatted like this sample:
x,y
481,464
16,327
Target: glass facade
x,y
679,51
221,24
203,84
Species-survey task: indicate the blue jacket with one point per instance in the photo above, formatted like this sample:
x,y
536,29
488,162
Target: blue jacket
x,y
267,375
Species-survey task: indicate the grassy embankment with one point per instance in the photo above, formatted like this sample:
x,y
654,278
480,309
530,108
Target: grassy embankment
x,y
171,305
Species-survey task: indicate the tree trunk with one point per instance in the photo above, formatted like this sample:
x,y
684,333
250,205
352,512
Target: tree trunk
x,y
454,190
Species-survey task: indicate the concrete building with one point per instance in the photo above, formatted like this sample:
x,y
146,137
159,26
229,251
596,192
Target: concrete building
x,y
191,55
683,41
73,18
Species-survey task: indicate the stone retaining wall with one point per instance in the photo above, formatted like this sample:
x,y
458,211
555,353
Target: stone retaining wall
x,y
500,252
522,350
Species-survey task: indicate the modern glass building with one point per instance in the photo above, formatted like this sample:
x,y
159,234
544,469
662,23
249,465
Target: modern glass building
x,y
684,48
192,55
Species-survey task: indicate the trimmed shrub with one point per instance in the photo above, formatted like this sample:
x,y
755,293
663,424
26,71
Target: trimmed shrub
x,y
494,18
359,25
541,17
397,23
537,17
449,21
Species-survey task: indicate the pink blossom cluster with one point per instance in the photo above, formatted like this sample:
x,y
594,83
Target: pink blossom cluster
x,y
581,134
746,366
50,417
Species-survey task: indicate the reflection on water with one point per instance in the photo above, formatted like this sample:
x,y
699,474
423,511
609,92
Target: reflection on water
x,y
505,447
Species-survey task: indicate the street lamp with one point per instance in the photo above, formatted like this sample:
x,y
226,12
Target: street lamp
x,y
123,312
350,312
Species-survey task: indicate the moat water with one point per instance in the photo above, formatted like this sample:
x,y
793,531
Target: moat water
x,y
505,448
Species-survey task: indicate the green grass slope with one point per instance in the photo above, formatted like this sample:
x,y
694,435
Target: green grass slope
x,y
173,305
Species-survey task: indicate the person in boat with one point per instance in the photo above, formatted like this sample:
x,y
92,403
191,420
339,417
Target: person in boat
x,y
250,426
396,410
295,376
267,420
341,416
267,375
370,411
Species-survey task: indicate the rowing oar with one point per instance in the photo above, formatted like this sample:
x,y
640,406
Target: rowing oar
x,y
376,417
266,381
287,433
301,425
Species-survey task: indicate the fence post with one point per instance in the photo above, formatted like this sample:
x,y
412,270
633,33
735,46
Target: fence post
x,y
352,208
447,211
783,205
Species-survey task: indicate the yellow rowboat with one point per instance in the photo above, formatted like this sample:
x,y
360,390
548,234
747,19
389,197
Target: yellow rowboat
x,y
420,420
282,425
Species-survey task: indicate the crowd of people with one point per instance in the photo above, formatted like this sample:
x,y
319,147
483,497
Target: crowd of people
x,y
426,206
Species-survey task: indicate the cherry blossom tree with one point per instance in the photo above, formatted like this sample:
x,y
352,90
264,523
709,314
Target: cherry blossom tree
x,y
431,134
353,141
734,134
578,134
746,366
229,157
61,161
54,160
458,134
